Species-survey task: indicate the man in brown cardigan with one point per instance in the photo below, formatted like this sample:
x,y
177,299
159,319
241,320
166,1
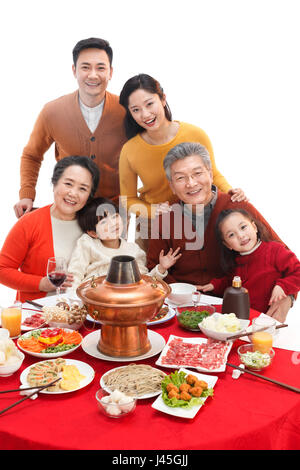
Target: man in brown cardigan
x,y
87,122
190,222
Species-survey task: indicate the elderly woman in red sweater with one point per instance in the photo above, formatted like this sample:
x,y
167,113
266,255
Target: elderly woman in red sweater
x,y
190,222
49,231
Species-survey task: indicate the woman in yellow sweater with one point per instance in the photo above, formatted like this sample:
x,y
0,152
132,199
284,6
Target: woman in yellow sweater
x,y
152,133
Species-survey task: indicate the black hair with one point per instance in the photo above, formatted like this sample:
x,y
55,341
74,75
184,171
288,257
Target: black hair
x,y
96,210
227,258
84,162
92,43
144,82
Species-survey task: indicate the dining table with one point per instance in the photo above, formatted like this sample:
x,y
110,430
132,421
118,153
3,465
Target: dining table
x,y
244,413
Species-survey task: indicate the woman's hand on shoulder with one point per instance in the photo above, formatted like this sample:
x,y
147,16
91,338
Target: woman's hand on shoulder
x,y
162,208
238,195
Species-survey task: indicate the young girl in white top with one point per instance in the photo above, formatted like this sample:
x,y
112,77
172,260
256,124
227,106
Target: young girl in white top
x,y
102,240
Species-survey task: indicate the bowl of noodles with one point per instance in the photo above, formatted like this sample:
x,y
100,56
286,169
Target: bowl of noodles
x,y
135,380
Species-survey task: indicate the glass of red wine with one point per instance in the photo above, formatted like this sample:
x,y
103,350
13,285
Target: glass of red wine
x,y
57,272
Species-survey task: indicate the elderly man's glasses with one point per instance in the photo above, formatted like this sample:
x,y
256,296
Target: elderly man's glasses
x,y
187,179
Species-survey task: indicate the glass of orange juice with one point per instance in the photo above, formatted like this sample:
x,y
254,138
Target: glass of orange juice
x,y
11,319
263,340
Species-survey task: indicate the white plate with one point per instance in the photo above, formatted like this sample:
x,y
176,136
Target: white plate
x,y
90,341
193,341
84,369
48,355
107,389
171,313
223,336
190,413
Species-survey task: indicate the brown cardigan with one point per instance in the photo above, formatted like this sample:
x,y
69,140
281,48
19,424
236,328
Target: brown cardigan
x,y
61,121
196,266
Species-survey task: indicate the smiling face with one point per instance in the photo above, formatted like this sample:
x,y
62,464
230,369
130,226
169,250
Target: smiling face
x,y
191,181
110,227
147,109
93,72
71,192
238,232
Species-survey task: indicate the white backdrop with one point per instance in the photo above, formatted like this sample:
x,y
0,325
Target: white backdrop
x,y
231,67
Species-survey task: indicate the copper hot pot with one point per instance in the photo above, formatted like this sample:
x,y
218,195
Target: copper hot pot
x,y
123,302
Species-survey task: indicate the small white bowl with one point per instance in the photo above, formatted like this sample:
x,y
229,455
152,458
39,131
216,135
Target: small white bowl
x,y
222,336
181,293
9,369
113,410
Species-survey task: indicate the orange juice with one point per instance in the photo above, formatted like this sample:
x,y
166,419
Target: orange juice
x,y
11,319
262,341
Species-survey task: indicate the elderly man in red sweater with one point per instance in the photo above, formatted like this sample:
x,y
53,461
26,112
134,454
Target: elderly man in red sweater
x,y
87,122
190,222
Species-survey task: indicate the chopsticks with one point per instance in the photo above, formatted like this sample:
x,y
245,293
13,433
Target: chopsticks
x,y
37,390
240,335
35,304
289,387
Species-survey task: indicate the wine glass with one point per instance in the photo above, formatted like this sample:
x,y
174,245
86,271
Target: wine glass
x,y
196,297
57,272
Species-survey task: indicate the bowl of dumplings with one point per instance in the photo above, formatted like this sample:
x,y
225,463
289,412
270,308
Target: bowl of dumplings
x,y
115,404
11,358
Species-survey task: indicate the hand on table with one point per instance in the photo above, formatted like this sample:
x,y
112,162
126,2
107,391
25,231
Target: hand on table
x,y
279,309
237,195
205,288
277,294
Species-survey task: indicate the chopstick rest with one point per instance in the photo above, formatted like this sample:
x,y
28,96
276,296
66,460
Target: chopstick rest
x,y
27,392
289,387
236,373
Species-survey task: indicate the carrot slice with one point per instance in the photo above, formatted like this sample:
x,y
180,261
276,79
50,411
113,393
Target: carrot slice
x,y
71,338
31,344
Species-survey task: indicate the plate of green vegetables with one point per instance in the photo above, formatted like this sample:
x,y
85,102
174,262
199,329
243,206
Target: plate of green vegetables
x,y
189,317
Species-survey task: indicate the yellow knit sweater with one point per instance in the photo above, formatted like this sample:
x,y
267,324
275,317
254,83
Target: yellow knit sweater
x,y
143,160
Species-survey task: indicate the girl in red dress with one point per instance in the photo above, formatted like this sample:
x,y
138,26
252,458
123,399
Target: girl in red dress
x,y
268,269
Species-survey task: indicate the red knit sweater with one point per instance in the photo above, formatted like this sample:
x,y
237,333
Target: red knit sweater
x,y
24,255
269,265
196,266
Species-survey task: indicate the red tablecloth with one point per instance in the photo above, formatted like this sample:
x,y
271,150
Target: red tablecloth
x,y
247,413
